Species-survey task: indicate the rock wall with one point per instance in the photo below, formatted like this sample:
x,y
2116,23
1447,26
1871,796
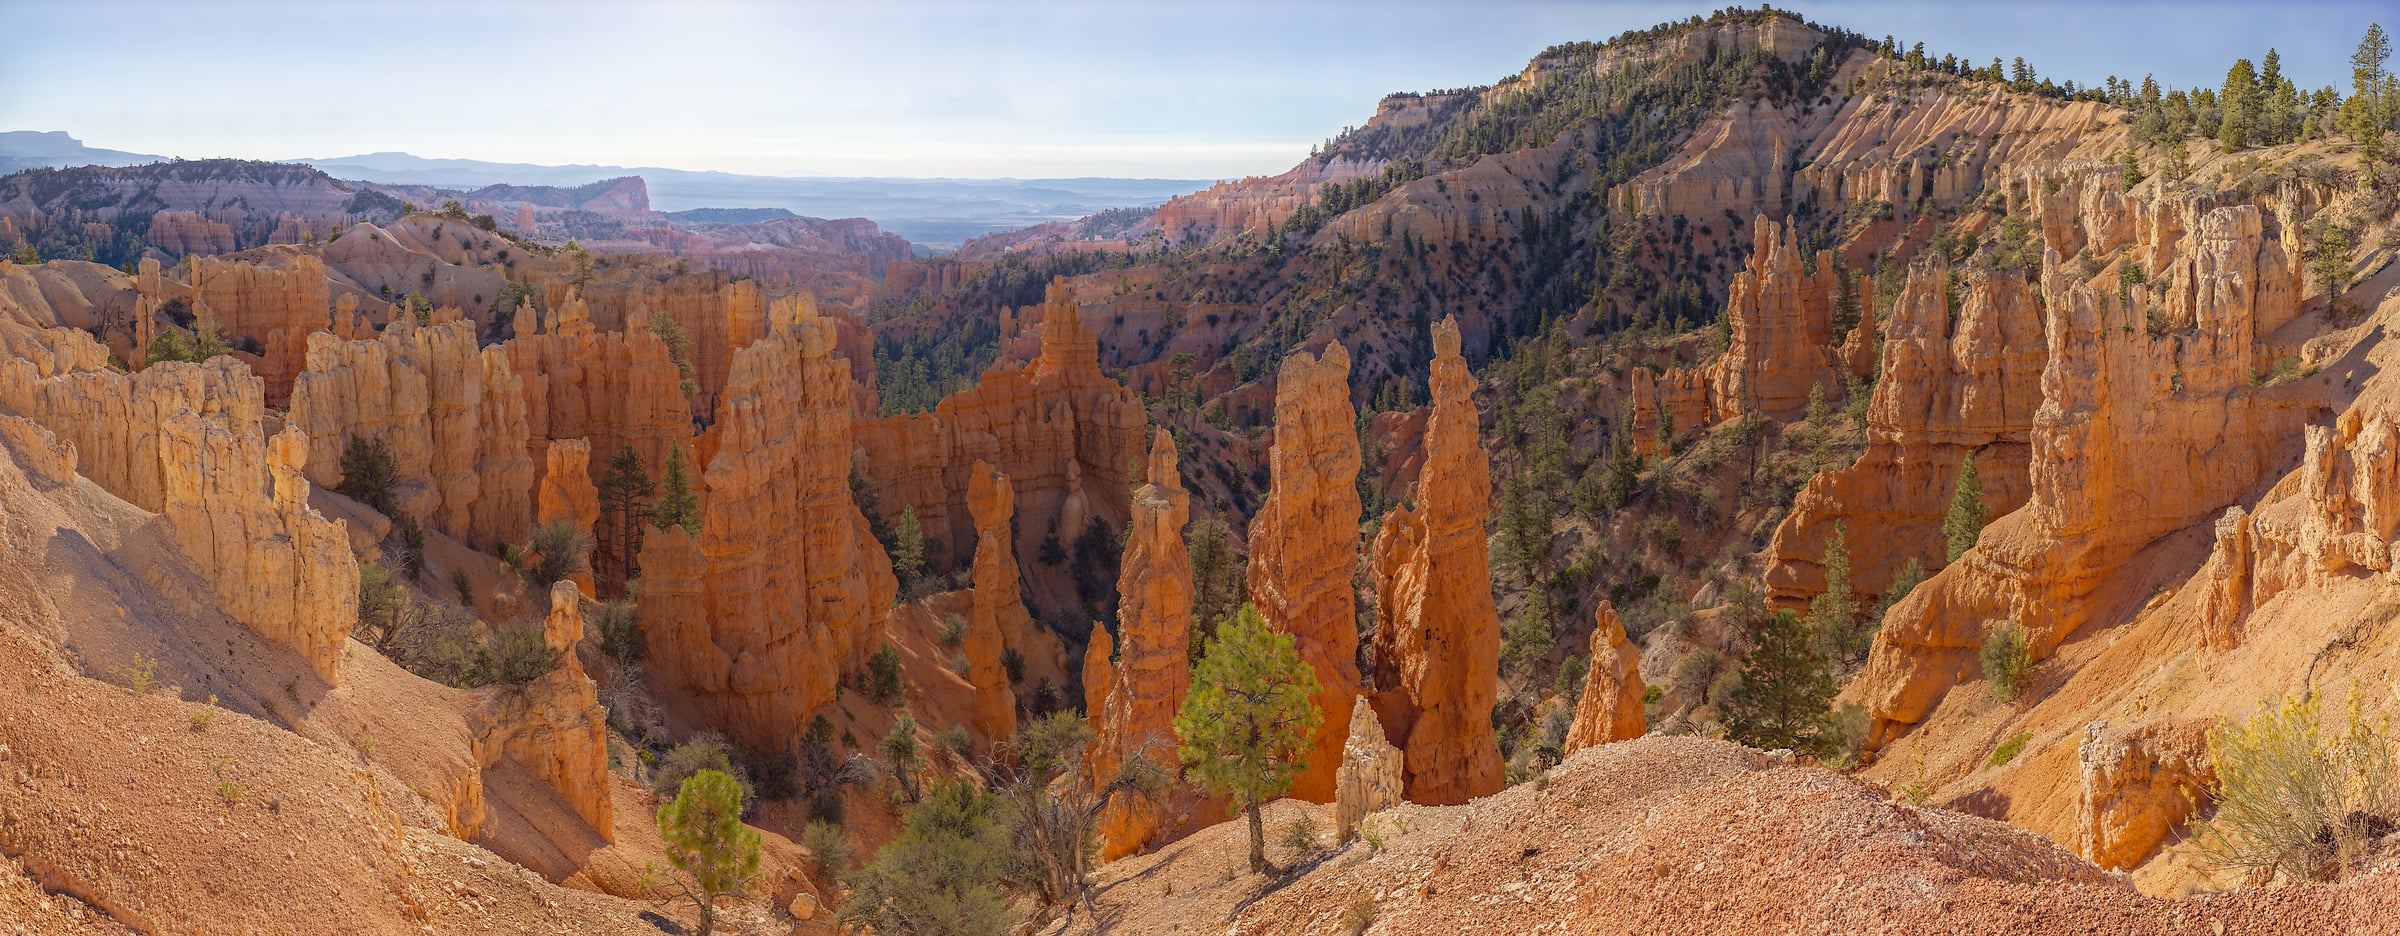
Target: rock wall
x,y
752,621
611,389
1611,707
1437,630
2139,781
278,306
996,611
451,414
2341,521
1145,689
189,441
239,505
2121,409
567,495
1954,382
1304,545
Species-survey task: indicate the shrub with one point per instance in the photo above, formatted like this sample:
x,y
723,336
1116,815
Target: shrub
x,y
705,751
2008,750
2007,660
713,853
884,685
1300,835
559,551
368,473
412,546
954,630
828,851
1361,915
2296,798
943,873
1012,661
619,628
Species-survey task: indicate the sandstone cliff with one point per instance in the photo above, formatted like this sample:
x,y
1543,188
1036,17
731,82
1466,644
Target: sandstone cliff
x,y
1437,631
1783,336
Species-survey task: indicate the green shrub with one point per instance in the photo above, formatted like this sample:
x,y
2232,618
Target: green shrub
x,y
2008,750
368,473
884,683
954,630
559,550
619,628
2007,660
829,852
707,750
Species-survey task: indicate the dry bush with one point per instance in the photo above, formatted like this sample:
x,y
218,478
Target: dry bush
x,y
2297,798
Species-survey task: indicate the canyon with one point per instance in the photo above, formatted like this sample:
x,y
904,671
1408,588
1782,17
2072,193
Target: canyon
x,y
1737,475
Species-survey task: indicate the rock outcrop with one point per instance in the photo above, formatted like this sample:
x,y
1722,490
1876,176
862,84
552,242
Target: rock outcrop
x,y
189,441
1611,707
452,416
566,494
1147,685
1068,437
1954,382
997,608
1437,630
2140,780
1782,329
751,621
2122,407
2341,521
561,732
1370,779
240,508
1304,545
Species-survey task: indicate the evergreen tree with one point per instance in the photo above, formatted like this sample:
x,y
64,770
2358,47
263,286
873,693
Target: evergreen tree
x,y
2179,160
2132,164
1246,726
2362,117
1965,522
1833,614
625,493
908,547
679,348
677,505
712,851
1217,578
902,755
1785,692
2240,106
942,875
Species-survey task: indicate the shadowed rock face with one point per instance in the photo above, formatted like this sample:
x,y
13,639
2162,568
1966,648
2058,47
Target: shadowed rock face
x,y
1304,545
1437,630
751,621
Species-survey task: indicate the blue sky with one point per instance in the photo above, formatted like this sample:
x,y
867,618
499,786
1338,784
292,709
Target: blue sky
x,y
935,87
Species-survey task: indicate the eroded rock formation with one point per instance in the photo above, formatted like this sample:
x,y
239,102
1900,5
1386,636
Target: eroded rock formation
x,y
997,608
2139,781
1437,630
2122,407
1304,544
1067,436
278,306
1611,707
451,414
2341,521
751,621
1782,329
240,508
1955,382
1146,687
1370,779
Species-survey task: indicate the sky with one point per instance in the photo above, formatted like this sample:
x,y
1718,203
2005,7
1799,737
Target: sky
x,y
1127,88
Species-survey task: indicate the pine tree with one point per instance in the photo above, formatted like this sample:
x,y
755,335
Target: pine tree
x,y
2133,166
677,505
1246,726
2179,160
625,493
1833,614
2363,115
714,853
1965,522
1785,692
2240,106
908,547
942,875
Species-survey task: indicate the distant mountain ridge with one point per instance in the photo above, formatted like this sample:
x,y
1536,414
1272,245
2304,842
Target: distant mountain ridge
x,y
43,149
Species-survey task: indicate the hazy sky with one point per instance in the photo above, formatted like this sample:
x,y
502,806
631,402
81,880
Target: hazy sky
x,y
925,87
